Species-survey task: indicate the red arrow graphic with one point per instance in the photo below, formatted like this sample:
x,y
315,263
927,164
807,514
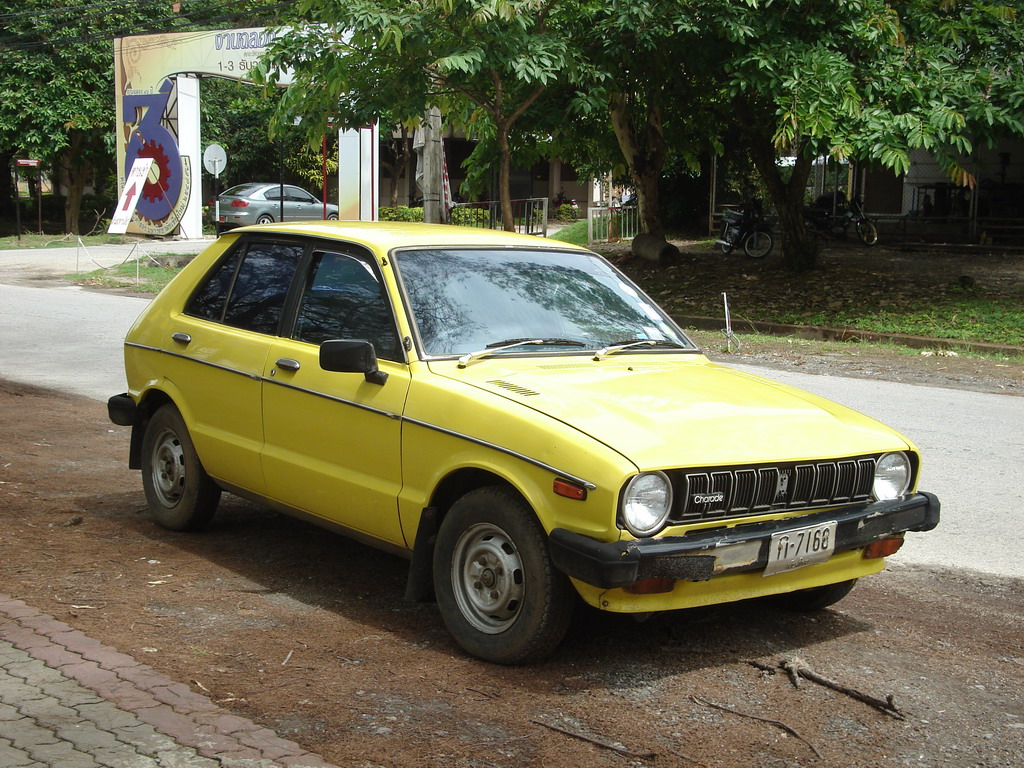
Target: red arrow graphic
x,y
132,191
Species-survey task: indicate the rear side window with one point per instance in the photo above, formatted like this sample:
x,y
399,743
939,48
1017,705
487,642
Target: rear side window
x,y
248,289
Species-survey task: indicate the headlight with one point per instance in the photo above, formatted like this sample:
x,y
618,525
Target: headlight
x,y
892,476
646,503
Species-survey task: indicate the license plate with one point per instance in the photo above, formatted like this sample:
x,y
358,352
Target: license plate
x,y
801,546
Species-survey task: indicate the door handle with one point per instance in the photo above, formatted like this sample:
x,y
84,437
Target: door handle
x,y
181,338
287,364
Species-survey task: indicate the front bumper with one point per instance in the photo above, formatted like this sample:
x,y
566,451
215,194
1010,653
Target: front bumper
x,y
701,555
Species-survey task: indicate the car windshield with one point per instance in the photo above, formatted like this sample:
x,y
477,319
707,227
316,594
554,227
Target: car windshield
x,y
522,301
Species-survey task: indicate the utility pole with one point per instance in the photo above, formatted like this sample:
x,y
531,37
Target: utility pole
x,y
432,212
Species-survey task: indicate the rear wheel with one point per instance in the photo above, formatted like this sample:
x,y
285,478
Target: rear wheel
x,y
817,598
867,232
758,244
499,594
181,495
265,218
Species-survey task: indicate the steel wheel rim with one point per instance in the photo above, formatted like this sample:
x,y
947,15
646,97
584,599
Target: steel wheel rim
x,y
488,578
168,471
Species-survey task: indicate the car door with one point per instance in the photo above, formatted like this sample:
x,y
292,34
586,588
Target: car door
x,y
333,440
219,346
299,205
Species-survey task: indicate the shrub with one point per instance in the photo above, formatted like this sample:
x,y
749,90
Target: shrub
x,y
400,213
470,217
567,212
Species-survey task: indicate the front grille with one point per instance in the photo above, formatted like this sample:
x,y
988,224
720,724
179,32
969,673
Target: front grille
x,y
717,493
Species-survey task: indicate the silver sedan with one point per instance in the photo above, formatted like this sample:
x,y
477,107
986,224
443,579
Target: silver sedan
x,y
256,203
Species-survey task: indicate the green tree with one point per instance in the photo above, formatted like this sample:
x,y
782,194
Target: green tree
x,y
484,63
57,82
57,85
866,80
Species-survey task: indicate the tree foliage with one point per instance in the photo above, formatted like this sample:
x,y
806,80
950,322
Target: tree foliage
x,y
57,82
862,80
484,63
865,80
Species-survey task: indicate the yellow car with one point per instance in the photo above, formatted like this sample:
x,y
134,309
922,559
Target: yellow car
x,y
510,413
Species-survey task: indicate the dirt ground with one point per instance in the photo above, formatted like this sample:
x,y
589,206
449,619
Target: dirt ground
x,y
308,633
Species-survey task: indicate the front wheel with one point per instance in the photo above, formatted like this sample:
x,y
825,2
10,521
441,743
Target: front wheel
x,y
725,242
816,598
181,495
758,244
498,592
867,232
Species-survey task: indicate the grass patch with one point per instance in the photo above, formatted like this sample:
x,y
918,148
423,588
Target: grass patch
x,y
30,241
754,343
575,233
146,275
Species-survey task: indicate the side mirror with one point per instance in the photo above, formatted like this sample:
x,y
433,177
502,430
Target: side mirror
x,y
351,356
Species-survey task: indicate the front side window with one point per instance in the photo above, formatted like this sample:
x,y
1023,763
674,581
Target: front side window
x,y
247,290
343,299
464,300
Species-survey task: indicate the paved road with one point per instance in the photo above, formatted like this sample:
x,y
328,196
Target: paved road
x,y
972,442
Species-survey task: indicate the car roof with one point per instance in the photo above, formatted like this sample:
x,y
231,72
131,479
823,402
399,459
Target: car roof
x,y
387,235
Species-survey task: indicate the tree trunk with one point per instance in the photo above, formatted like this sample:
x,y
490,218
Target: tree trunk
x,y
78,172
645,157
6,184
399,160
505,177
799,247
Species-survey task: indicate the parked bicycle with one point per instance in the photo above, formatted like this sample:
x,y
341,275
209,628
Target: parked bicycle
x,y
830,216
746,228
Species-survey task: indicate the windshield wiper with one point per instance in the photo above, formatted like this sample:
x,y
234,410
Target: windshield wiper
x,y
618,346
499,346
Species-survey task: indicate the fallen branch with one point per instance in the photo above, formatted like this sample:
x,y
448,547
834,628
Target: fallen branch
x,y
604,744
777,723
797,668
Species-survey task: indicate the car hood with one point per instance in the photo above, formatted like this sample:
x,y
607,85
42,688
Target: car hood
x,y
680,411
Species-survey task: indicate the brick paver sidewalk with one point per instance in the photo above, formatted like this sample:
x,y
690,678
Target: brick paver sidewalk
x,y
66,701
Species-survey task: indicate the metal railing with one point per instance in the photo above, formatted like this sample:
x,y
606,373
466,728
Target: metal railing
x,y
609,224
530,215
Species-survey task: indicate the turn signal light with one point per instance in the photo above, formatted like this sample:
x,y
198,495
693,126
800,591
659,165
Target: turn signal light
x,y
883,548
651,586
569,490
239,203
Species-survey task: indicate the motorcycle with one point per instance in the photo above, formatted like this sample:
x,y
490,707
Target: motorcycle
x,y
829,216
748,228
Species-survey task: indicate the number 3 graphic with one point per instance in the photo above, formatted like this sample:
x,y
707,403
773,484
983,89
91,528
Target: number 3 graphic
x,y
151,139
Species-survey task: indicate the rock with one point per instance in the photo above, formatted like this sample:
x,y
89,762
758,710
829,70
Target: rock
x,y
654,249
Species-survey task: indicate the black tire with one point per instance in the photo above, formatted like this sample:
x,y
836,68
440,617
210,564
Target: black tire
x,y
181,495
725,241
817,598
758,244
265,218
332,217
499,594
867,232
